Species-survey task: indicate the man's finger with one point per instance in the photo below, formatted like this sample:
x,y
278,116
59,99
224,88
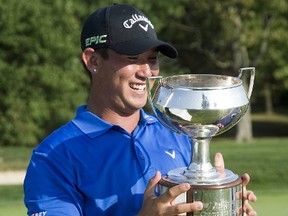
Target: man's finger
x,y
150,190
248,209
245,178
219,164
173,192
185,207
250,196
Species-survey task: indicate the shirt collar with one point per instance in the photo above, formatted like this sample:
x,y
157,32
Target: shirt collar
x,y
93,126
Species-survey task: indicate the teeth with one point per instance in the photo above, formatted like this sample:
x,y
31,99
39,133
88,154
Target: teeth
x,y
139,87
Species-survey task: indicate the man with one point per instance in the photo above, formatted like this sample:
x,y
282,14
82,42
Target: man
x,y
103,161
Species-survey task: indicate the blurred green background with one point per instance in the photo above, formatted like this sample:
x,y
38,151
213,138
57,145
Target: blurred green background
x,y
42,80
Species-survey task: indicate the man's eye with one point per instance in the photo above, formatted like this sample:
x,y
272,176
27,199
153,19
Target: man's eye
x,y
132,57
153,58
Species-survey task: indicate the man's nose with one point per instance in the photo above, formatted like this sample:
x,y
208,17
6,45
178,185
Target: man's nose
x,y
145,70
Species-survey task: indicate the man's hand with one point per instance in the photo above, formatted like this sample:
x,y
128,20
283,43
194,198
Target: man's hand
x,y
164,204
247,195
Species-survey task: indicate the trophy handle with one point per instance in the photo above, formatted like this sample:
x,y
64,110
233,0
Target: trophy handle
x,y
152,88
252,77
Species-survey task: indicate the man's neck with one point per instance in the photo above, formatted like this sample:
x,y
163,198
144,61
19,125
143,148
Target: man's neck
x,y
127,121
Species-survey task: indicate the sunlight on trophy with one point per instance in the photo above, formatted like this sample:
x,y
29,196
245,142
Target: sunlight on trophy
x,y
202,106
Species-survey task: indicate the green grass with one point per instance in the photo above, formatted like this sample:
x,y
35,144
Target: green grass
x,y
270,203
11,201
266,161
14,158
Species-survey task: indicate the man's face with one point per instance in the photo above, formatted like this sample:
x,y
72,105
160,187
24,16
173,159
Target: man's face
x,y
120,81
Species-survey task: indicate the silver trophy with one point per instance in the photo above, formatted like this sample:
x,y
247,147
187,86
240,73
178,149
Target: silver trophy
x,y
202,106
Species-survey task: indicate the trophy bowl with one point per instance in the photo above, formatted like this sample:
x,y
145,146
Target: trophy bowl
x,y
202,106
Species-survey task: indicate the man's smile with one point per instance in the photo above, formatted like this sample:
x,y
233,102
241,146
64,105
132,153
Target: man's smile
x,y
137,86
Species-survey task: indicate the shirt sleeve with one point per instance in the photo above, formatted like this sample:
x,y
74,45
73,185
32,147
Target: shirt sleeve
x,y
49,186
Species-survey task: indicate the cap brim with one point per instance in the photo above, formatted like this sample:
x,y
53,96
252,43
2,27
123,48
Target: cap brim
x,y
136,47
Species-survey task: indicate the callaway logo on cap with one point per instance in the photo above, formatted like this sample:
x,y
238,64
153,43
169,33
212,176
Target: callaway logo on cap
x,y
123,29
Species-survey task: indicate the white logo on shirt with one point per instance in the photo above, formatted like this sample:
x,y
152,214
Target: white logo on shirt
x,y
43,213
171,154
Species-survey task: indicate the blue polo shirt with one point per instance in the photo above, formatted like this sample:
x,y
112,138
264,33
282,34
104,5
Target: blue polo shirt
x,y
91,167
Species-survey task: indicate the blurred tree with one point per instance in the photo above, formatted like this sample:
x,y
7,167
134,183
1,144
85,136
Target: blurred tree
x,y
273,65
40,82
223,36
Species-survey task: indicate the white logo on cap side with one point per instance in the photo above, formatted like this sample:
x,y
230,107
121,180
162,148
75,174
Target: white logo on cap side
x,y
135,18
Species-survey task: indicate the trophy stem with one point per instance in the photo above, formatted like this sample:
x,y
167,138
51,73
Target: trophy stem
x,y
200,161
200,171
200,166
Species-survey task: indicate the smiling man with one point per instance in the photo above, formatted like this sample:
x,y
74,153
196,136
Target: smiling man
x,y
106,161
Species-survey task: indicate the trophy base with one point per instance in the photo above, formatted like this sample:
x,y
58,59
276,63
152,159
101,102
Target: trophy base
x,y
218,199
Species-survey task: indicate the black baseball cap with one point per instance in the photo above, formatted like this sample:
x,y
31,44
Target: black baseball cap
x,y
124,29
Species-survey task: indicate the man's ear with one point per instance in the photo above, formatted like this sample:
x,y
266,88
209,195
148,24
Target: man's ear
x,y
90,60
